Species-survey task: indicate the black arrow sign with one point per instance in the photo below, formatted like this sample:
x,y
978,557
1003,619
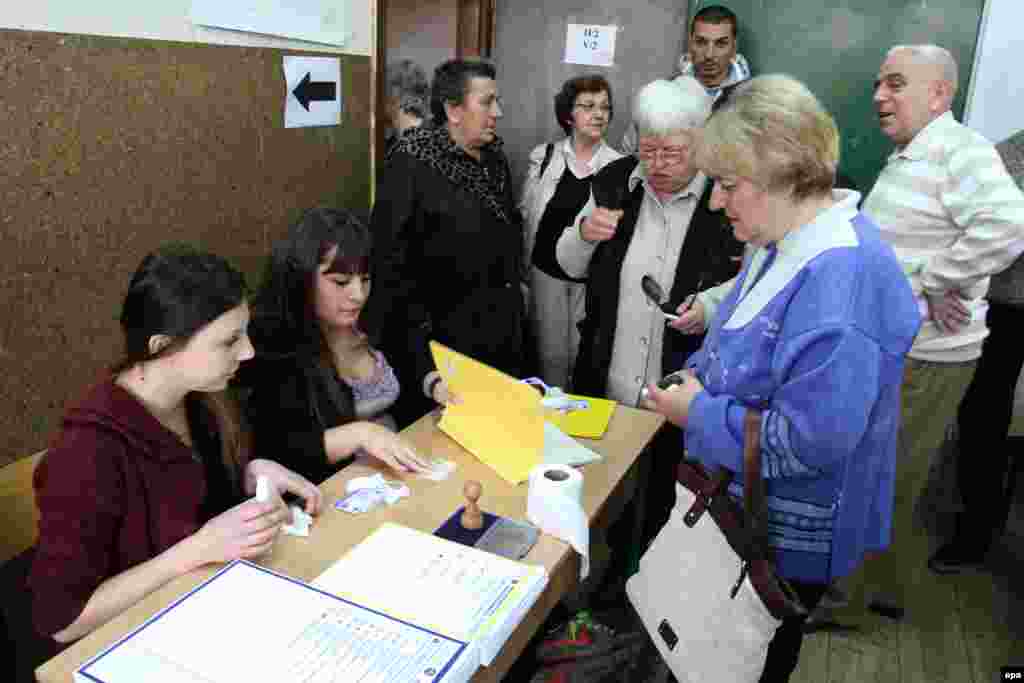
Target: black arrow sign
x,y
315,91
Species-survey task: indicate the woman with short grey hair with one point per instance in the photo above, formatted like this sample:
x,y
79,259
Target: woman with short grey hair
x,y
663,108
646,217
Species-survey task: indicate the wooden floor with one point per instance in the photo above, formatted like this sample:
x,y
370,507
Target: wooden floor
x,y
958,629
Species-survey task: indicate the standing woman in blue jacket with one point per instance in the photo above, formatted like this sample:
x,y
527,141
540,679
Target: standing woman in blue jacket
x,y
812,333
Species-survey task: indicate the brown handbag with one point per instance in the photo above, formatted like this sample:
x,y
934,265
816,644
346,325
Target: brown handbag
x,y
707,591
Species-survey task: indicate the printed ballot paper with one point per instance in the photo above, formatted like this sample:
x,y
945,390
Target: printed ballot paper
x,y
247,623
466,594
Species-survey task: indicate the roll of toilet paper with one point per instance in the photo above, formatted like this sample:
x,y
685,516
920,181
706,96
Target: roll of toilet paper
x,y
554,503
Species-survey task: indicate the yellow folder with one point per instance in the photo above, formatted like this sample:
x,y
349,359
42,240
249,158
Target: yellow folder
x,y
499,419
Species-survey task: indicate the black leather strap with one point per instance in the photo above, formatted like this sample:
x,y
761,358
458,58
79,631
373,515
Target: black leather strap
x,y
547,159
745,530
753,485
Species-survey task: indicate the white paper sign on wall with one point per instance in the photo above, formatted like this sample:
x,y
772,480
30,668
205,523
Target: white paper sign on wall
x,y
590,44
313,91
318,21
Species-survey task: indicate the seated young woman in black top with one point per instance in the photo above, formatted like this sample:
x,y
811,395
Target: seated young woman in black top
x,y
318,392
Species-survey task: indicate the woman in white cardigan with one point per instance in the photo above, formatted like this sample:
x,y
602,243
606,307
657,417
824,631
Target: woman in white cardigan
x,y
557,187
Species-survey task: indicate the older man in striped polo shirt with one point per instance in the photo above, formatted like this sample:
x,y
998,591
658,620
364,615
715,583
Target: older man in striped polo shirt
x,y
954,216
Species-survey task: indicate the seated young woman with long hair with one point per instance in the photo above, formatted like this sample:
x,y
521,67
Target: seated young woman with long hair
x,y
319,393
150,474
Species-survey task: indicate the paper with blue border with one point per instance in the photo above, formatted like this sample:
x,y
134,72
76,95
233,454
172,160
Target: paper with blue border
x,y
248,623
451,588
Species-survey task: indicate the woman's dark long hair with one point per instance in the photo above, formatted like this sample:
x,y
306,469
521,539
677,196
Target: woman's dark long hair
x,y
284,316
176,291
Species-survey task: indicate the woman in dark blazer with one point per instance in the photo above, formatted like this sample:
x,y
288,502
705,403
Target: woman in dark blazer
x,y
448,241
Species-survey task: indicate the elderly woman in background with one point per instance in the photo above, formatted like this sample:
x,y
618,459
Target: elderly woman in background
x,y
647,218
447,241
407,99
557,187
812,334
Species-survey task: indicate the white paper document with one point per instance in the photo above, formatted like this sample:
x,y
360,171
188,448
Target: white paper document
x,y
590,44
462,592
316,21
250,624
562,449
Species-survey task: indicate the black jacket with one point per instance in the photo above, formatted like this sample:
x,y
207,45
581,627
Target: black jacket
x,y
709,253
445,265
290,400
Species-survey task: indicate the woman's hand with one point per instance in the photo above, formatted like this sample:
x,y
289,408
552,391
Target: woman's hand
x,y
384,445
245,531
600,225
443,395
283,479
674,402
692,320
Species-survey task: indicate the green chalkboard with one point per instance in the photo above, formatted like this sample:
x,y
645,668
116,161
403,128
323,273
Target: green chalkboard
x,y
836,49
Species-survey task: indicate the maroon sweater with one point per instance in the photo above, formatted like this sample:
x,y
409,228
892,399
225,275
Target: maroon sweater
x,y
116,489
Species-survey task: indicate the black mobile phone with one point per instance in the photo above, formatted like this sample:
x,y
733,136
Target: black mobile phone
x,y
677,377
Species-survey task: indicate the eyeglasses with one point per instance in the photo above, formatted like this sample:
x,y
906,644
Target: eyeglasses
x,y
590,108
668,155
490,102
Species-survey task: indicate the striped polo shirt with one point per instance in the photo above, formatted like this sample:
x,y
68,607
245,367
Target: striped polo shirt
x,y
954,216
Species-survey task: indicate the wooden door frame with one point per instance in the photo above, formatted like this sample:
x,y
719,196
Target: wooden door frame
x,y
475,29
475,35
377,96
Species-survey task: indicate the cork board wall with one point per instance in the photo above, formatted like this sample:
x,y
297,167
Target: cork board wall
x,y
110,147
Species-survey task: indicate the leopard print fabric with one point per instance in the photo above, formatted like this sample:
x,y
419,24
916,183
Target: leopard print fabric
x,y
435,147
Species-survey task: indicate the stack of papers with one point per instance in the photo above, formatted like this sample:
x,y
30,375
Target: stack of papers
x,y
466,594
401,606
247,623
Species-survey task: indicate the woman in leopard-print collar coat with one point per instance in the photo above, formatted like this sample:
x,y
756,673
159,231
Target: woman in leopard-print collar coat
x,y
448,241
